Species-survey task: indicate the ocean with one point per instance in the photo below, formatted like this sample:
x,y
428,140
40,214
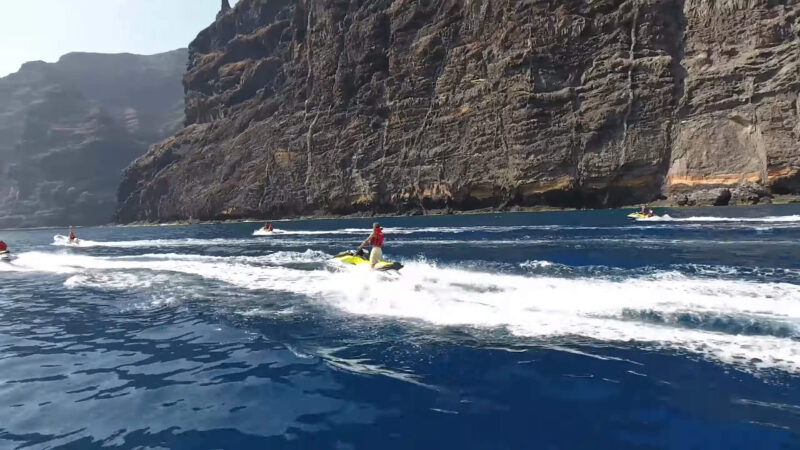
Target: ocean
x,y
557,330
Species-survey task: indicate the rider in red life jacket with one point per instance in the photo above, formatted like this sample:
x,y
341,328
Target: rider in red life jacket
x,y
376,240
3,247
72,236
268,227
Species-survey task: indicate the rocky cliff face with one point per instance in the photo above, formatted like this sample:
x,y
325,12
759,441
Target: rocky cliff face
x,y
68,129
303,107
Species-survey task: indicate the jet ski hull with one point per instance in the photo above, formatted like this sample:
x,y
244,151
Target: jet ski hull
x,y
353,259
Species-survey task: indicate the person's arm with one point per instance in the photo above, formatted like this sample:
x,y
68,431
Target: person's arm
x,y
366,242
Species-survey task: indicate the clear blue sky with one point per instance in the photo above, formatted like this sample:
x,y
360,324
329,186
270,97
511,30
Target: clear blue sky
x,y
33,30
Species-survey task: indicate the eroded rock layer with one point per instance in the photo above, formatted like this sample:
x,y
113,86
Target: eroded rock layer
x,y
390,106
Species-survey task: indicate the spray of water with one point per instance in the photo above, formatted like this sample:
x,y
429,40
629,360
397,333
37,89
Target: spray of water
x,y
753,325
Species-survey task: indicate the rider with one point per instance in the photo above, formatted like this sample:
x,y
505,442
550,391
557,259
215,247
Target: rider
x,y
3,247
268,227
644,209
651,213
376,240
72,236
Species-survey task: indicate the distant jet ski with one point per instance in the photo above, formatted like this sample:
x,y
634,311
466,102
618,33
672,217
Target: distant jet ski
x,y
61,239
5,256
638,215
266,229
362,259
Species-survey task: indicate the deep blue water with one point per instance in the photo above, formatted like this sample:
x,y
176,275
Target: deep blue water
x,y
564,330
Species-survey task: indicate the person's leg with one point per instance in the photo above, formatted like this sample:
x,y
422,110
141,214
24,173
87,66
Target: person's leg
x,y
375,256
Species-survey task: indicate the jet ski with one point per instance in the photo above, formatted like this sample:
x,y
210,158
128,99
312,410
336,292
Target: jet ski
x,y
362,259
263,232
5,256
637,215
64,240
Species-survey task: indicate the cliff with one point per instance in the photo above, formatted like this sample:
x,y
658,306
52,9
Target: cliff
x,y
391,106
68,129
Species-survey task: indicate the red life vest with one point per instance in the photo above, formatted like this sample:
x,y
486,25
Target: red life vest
x,y
377,240
3,246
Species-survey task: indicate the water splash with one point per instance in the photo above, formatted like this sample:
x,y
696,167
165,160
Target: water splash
x,y
654,310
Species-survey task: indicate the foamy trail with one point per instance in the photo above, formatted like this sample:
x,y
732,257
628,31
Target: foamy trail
x,y
280,257
412,230
549,307
648,310
753,274
402,242
437,230
61,241
587,242
767,219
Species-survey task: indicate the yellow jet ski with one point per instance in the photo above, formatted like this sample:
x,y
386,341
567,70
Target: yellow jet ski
x,y
362,259
637,215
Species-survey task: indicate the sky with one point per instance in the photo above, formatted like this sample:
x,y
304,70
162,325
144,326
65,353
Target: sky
x,y
32,30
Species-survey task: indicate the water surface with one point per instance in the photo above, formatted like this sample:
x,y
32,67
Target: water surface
x,y
503,331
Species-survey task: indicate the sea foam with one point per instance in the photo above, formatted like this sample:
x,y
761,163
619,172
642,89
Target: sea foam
x,y
642,309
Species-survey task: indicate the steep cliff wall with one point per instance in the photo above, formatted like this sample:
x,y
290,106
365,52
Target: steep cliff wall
x,y
303,107
740,110
68,129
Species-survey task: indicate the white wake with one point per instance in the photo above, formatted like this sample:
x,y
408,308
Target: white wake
x,y
540,307
766,219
